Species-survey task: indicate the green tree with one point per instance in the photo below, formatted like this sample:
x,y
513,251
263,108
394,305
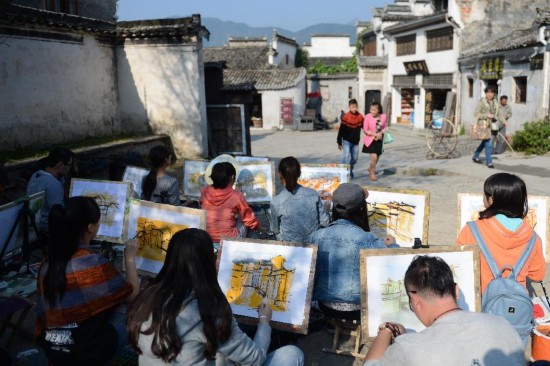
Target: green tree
x,y
302,58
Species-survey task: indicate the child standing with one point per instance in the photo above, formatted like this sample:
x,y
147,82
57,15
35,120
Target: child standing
x,y
349,135
374,127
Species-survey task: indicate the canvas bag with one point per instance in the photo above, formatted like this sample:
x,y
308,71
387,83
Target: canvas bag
x,y
480,130
388,139
506,297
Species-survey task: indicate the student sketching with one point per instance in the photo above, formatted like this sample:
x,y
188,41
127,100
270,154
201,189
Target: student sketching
x,y
158,186
183,317
78,290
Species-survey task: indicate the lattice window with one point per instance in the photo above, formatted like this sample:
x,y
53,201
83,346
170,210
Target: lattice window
x,y
439,79
406,45
470,88
440,39
369,45
404,80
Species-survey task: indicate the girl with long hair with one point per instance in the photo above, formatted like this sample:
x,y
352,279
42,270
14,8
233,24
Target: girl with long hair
x,y
374,127
505,228
78,290
296,212
183,317
157,186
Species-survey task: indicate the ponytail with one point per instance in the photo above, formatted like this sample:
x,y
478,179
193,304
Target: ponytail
x,y
289,168
157,157
66,225
149,184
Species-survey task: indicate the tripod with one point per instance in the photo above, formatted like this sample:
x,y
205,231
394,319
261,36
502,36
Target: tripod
x,y
25,216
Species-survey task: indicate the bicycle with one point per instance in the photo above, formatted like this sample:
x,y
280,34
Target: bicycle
x,y
441,138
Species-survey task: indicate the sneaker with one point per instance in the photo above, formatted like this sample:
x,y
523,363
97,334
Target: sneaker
x,y
490,166
475,160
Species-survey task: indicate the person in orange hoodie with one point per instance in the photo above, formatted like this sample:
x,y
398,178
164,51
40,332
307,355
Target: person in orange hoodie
x,y
505,230
223,204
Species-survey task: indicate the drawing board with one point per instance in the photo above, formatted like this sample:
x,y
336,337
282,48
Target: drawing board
x,y
193,177
250,159
383,294
135,175
324,178
402,213
111,198
154,224
253,271
256,181
538,215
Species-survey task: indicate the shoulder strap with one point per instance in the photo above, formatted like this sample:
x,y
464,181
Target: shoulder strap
x,y
484,250
526,253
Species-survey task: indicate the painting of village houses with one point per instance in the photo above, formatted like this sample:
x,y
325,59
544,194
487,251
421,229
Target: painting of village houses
x,y
401,213
324,178
255,181
193,177
252,272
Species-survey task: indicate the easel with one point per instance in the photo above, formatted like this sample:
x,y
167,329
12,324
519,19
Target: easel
x,y
25,215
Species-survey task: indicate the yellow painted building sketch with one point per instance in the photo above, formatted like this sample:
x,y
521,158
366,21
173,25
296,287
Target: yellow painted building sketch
x,y
153,237
393,218
108,206
256,282
324,183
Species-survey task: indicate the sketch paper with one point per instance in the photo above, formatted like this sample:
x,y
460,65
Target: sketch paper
x,y
401,213
256,181
154,224
111,198
538,215
384,297
193,177
250,159
324,178
281,275
135,175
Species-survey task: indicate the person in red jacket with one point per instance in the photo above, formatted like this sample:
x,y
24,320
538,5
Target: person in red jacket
x,y
349,135
224,204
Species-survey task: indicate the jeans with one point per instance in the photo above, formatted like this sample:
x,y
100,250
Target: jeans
x,y
488,146
118,321
350,154
287,355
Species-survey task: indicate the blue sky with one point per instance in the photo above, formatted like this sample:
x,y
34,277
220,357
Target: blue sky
x,y
290,14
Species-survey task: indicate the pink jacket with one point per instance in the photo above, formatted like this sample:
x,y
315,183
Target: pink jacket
x,y
369,127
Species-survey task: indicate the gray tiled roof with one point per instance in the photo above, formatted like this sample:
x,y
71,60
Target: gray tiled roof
x,y
517,39
372,61
160,28
240,58
398,8
264,79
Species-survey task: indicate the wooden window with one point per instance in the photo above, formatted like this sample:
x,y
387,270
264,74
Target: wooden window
x,y
286,59
406,45
440,39
369,45
470,88
521,89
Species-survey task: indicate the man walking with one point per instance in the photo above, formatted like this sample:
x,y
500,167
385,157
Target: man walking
x,y
504,114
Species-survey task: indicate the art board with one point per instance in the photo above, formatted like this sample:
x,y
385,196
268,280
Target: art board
x,y
250,159
8,218
256,181
538,215
383,295
154,224
253,271
135,175
111,198
193,177
324,178
403,213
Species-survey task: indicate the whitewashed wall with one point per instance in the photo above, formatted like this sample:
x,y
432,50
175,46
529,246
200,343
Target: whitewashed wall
x,y
284,49
52,91
330,47
337,99
271,101
161,90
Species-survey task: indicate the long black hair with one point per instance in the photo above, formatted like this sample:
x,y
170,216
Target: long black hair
x,y
509,195
222,174
157,157
290,170
358,215
66,226
188,271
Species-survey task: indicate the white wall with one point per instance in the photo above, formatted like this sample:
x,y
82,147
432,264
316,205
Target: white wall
x,y
271,101
371,79
330,47
161,90
51,92
338,97
284,49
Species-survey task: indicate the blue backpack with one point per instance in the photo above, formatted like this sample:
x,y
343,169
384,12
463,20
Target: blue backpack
x,y
505,296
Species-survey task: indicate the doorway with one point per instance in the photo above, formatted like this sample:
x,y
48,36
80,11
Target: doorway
x,y
370,97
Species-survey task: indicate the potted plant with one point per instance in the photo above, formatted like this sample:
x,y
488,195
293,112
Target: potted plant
x,y
257,122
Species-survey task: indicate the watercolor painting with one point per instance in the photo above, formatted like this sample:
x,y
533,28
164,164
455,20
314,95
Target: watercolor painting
x,y
250,159
111,198
538,215
135,175
383,294
324,178
154,224
193,177
256,181
280,274
399,212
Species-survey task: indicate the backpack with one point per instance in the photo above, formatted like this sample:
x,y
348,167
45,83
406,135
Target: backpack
x,y
506,297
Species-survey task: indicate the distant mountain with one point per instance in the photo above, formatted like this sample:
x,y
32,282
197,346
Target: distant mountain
x,y
221,30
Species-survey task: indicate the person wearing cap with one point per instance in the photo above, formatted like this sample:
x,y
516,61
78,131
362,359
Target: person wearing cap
x,y
336,285
223,205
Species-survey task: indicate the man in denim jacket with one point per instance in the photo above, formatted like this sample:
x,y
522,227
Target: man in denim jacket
x,y
337,271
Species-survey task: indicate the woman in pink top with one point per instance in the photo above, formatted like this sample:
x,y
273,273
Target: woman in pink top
x,y
223,204
374,127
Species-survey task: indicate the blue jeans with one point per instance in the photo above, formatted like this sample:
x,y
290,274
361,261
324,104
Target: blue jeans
x,y
488,146
287,355
118,321
350,154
